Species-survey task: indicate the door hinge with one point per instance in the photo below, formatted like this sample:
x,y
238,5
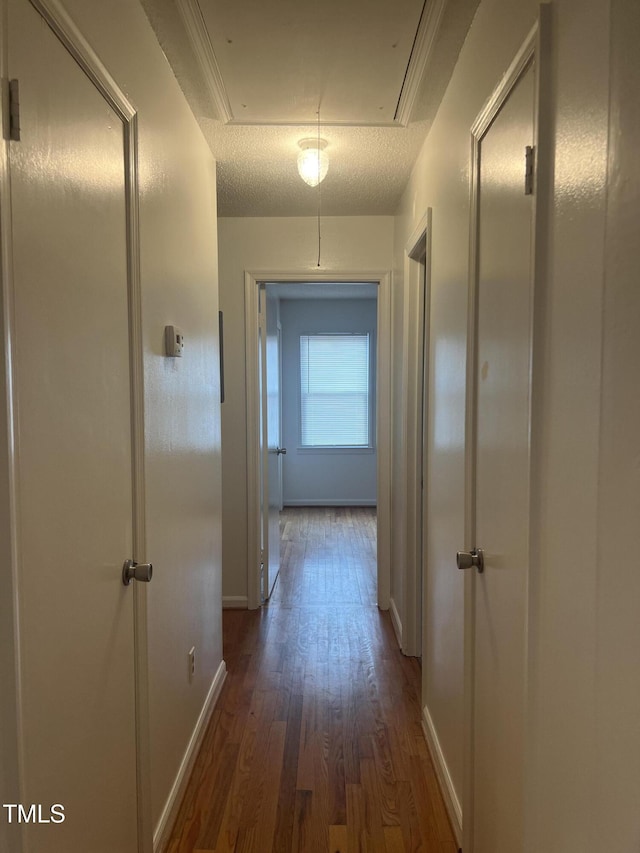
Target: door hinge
x,y
14,110
529,168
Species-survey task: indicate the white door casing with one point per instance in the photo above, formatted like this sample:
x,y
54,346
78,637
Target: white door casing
x,y
71,290
499,449
280,424
253,398
271,462
415,369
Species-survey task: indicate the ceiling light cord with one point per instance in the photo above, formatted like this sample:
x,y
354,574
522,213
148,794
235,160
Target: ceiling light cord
x,y
319,191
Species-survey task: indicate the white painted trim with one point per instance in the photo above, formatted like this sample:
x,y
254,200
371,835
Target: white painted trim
x,y
416,321
174,800
414,243
330,502
469,505
265,519
11,702
235,602
449,794
71,37
384,440
198,34
428,30
136,348
396,621
383,427
252,391
511,76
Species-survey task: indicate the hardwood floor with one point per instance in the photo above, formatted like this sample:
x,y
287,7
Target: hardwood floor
x,y
316,744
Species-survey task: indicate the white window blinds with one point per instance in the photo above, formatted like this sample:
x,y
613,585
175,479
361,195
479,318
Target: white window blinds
x,y
334,390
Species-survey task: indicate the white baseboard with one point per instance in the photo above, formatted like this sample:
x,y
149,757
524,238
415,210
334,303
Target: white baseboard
x,y
451,799
235,602
396,621
170,811
332,502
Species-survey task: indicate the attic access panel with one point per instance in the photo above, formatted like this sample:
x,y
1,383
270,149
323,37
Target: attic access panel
x,y
277,58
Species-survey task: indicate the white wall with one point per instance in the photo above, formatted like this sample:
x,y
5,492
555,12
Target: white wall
x,y
182,440
564,592
323,478
356,243
617,744
582,682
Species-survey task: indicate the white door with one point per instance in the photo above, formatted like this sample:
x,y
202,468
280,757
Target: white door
x,y
271,450
72,399
502,384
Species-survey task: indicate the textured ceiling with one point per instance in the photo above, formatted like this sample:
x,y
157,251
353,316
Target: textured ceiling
x,y
257,172
357,71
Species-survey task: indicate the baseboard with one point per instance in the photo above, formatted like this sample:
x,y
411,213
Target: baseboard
x,y
170,811
396,621
331,502
235,602
451,800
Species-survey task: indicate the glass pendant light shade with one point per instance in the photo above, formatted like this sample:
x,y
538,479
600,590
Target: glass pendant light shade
x,y
313,162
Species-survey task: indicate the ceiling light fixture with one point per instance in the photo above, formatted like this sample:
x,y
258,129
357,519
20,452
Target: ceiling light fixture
x,y
313,162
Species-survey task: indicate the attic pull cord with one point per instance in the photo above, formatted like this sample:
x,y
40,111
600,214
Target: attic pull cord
x,y
319,191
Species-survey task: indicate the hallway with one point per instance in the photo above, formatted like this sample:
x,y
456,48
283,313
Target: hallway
x,y
316,742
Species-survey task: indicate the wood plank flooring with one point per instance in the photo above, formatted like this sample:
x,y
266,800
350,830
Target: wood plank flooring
x,y
316,745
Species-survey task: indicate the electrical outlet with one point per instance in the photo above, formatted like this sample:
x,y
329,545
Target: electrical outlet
x,y
192,662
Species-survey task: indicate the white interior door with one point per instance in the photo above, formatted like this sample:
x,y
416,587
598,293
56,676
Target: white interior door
x,y
502,382
271,450
74,448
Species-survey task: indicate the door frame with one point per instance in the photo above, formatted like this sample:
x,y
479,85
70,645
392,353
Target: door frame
x,y
72,39
535,49
267,581
279,332
383,414
415,369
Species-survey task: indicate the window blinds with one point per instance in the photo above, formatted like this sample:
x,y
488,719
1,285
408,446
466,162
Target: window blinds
x,y
334,390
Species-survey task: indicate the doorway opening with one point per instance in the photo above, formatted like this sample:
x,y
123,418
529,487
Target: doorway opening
x,y
318,364
409,625
320,406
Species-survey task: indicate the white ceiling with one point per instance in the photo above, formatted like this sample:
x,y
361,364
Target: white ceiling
x,y
255,73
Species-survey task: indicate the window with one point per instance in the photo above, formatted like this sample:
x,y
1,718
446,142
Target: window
x,y
335,397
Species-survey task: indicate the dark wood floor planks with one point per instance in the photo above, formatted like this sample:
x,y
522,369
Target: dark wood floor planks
x,y
316,745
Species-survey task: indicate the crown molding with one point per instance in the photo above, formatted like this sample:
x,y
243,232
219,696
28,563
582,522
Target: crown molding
x,y
426,35
196,27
